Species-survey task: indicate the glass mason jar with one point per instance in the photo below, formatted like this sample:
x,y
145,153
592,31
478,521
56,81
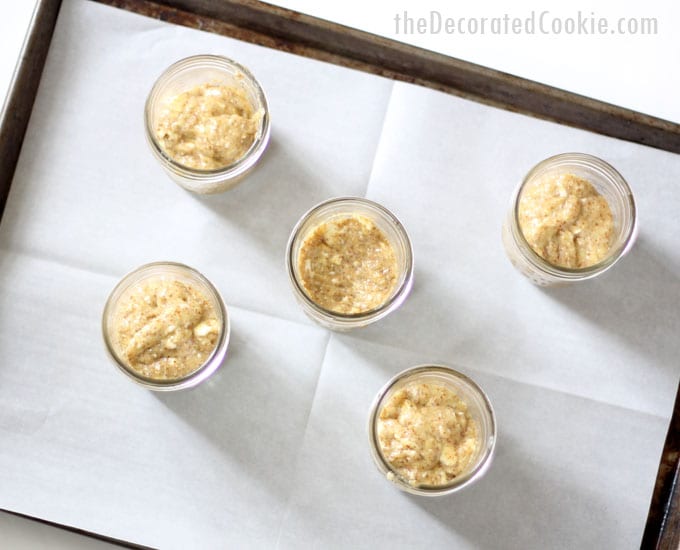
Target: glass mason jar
x,y
391,227
181,77
479,408
608,183
167,271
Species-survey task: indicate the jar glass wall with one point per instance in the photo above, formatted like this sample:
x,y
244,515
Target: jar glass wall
x,y
186,75
478,407
608,183
395,234
158,325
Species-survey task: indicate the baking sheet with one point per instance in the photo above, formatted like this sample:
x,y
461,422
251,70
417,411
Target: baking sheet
x,y
613,339
84,447
273,450
564,474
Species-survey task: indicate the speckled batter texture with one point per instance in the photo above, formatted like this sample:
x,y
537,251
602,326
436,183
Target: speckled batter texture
x,y
426,434
208,127
165,328
566,221
347,265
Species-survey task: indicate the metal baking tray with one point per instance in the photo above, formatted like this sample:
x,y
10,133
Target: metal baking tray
x,y
289,31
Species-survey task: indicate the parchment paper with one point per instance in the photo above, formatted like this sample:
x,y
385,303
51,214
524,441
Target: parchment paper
x,y
273,451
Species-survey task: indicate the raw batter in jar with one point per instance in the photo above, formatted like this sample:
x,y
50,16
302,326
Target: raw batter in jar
x,y
347,265
426,434
208,127
566,221
165,328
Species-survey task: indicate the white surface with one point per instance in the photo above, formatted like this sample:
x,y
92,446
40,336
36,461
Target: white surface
x,y
24,534
13,25
97,452
635,71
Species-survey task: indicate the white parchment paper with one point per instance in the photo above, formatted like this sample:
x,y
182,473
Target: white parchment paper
x,y
273,450
568,472
613,339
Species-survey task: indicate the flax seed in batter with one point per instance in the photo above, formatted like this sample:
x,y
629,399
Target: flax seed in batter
x,y
208,127
566,221
347,265
165,328
426,434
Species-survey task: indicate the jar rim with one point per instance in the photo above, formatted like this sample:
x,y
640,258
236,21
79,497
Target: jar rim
x,y
209,366
611,175
398,295
483,462
239,166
